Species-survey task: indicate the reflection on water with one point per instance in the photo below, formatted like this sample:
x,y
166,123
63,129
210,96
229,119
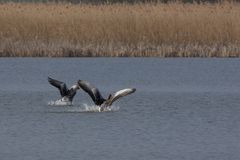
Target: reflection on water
x,y
182,109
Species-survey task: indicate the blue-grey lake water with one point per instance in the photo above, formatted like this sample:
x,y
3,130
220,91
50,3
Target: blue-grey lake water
x,y
183,109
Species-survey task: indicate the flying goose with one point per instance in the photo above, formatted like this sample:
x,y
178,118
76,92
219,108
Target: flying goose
x,y
97,97
66,94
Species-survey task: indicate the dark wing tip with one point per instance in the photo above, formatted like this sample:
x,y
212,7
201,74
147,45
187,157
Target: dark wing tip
x,y
50,79
133,90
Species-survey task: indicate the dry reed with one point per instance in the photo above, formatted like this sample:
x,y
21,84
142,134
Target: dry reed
x,y
163,30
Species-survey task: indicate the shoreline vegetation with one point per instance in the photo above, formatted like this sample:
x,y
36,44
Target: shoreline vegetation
x,y
120,30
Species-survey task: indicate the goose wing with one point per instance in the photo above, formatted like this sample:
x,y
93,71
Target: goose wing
x,y
92,91
72,91
60,85
121,93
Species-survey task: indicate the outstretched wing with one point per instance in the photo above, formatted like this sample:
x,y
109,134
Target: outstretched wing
x,y
72,91
60,85
92,91
71,94
119,94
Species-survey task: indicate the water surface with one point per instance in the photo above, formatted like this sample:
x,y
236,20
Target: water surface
x,y
183,109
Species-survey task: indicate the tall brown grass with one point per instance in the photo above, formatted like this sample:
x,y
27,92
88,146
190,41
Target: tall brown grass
x,y
152,29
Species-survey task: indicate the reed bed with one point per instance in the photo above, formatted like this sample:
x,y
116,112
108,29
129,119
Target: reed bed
x,y
145,29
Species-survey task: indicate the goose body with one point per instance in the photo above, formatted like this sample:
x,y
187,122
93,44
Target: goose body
x,y
67,95
97,98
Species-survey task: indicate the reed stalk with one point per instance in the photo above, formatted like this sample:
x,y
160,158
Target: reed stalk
x,y
144,29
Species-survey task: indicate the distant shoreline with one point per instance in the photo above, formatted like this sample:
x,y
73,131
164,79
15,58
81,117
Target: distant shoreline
x,y
120,30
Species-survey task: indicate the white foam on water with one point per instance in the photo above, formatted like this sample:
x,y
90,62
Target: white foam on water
x,y
92,108
59,103
81,108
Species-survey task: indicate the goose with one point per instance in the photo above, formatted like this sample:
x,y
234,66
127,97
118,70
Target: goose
x,y
66,94
97,98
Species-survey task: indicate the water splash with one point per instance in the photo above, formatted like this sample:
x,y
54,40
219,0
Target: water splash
x,y
80,108
59,103
51,103
92,108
